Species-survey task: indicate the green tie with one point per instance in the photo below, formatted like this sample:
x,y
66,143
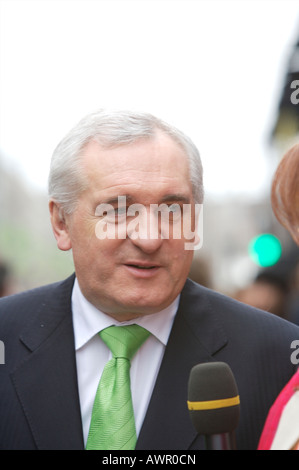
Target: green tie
x,y
112,424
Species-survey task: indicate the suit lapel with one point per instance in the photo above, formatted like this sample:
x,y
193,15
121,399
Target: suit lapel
x,y
196,336
46,382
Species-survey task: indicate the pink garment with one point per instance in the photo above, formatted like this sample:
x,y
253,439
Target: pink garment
x,y
276,411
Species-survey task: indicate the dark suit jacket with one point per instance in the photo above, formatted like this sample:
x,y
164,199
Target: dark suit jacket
x,y
39,402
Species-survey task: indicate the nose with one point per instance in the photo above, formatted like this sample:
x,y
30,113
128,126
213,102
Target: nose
x,y
144,231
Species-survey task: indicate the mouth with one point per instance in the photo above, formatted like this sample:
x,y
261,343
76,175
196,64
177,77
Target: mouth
x,y
143,270
141,266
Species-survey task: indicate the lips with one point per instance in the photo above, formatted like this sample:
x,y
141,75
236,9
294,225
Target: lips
x,y
142,269
140,266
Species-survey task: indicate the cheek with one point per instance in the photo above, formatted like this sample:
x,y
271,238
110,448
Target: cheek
x,y
181,258
95,264
82,231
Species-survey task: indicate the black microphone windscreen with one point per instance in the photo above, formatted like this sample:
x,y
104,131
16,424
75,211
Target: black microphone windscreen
x,y
213,398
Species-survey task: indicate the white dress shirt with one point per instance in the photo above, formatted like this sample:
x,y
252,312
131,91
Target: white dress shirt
x,y
92,354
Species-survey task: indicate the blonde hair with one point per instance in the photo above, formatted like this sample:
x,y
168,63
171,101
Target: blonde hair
x,y
285,192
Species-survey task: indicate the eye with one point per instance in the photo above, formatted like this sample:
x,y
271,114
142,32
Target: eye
x,y
170,211
118,214
120,211
174,208
174,211
114,214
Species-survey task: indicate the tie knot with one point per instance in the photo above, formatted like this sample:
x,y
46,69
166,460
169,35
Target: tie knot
x,y
124,341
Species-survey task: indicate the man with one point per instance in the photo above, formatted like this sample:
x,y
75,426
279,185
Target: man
x,y
124,189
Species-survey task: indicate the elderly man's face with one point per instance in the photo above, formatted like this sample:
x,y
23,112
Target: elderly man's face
x,y
134,272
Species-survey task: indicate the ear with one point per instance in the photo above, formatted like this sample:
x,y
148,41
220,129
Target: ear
x,y
59,226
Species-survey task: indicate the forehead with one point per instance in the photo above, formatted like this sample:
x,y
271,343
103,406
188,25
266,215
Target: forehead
x,y
157,161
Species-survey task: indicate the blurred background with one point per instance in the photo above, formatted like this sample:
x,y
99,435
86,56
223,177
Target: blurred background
x,y
223,71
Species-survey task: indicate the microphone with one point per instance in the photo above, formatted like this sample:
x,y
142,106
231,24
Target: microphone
x,y
214,404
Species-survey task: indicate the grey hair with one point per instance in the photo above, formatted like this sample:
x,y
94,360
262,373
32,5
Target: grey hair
x,y
111,128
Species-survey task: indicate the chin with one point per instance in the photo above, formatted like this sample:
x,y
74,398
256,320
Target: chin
x,y
147,304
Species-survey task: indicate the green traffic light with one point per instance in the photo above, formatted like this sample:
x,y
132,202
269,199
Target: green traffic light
x,y
265,249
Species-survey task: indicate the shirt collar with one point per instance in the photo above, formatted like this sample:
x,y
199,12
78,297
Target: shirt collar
x,y
89,321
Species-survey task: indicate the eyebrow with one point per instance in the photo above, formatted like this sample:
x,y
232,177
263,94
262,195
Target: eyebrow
x,y
176,198
115,199
167,198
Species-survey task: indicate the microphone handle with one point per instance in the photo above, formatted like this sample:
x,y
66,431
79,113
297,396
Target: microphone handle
x,y
225,441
